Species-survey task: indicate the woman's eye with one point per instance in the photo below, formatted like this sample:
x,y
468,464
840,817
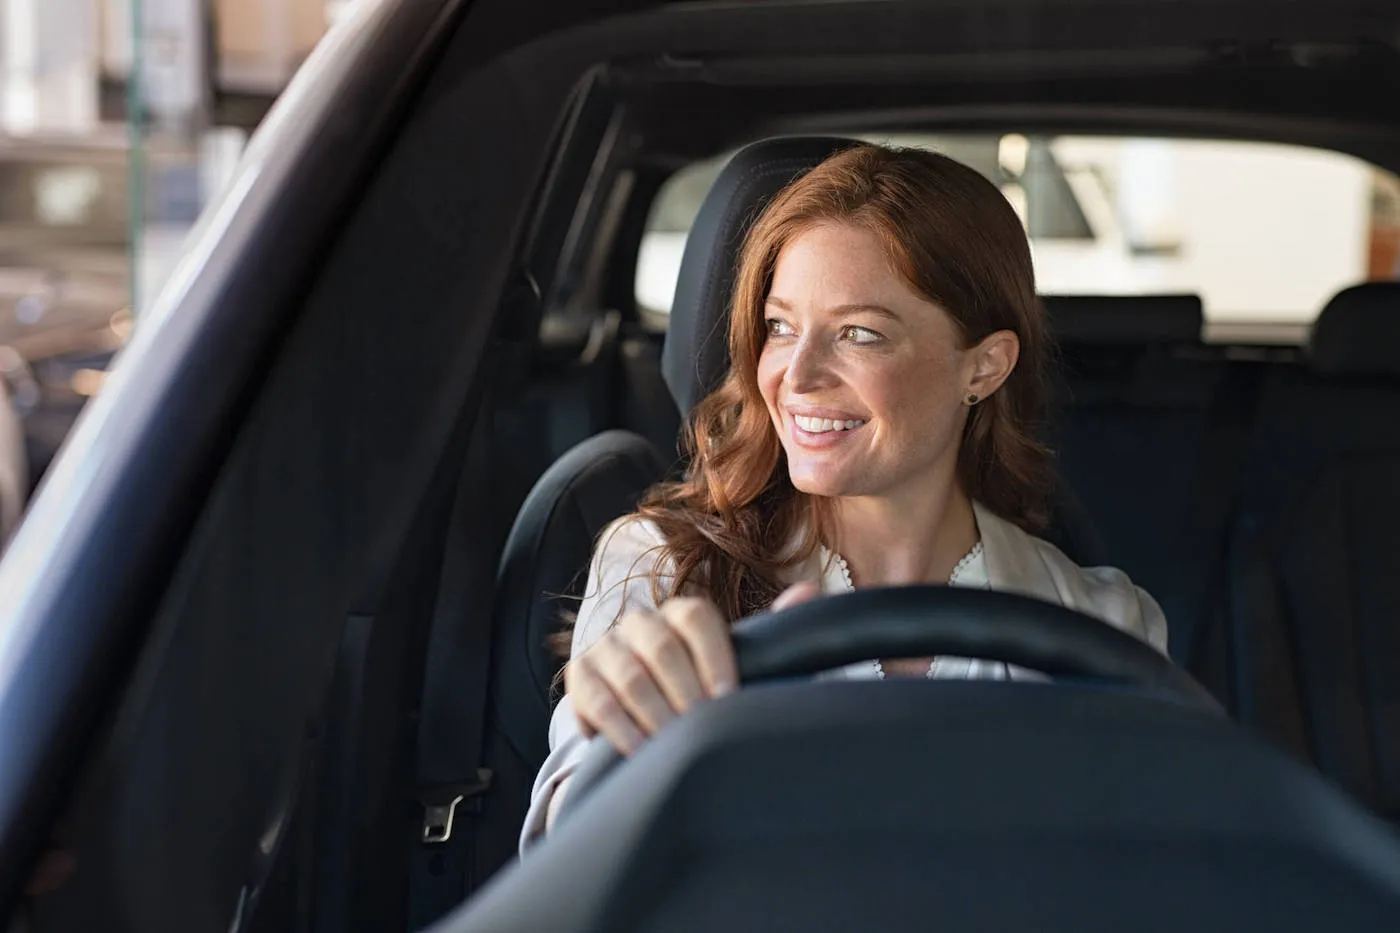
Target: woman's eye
x,y
777,328
860,334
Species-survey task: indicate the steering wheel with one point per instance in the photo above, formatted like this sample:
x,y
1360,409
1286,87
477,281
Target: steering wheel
x,y
914,621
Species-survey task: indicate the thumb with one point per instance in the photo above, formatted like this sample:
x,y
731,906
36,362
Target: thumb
x,y
797,593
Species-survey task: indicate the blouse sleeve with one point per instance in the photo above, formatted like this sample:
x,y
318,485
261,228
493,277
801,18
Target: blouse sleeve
x,y
1114,598
619,580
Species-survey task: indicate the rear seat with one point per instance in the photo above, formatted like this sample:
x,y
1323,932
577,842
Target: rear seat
x,y
1139,403
1259,500
1314,584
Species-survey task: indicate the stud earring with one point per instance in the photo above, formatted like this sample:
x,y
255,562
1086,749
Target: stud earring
x,y
972,398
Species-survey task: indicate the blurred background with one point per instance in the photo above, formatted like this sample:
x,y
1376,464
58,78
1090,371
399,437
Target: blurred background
x,y
120,122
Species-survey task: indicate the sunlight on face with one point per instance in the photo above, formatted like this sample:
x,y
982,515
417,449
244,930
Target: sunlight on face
x,y
863,377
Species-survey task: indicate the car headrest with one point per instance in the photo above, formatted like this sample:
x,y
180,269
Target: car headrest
x,y
695,356
1126,319
1358,333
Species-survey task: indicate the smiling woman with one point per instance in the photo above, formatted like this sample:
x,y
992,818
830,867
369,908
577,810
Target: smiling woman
x,y
885,286
875,429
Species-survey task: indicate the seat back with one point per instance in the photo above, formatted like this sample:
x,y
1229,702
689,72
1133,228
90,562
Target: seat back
x,y
1138,401
545,558
1315,557
542,575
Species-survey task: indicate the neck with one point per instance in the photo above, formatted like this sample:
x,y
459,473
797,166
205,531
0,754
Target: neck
x,y
888,542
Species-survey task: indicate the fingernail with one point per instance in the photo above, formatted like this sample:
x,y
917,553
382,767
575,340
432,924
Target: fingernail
x,y
722,687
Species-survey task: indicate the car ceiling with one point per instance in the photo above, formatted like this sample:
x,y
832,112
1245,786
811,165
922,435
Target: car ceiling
x,y
1304,72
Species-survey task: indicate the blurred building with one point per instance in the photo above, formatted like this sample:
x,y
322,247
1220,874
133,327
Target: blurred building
x,y
120,121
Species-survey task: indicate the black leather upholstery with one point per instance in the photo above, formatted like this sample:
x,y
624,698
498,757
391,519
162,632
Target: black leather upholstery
x,y
696,354
1358,333
544,568
1131,439
1315,579
1139,320
1305,543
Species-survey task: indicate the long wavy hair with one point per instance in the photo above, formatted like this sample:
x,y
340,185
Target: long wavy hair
x,y
735,522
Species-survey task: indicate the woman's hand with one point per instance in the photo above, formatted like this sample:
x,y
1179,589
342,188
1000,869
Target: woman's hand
x,y
655,665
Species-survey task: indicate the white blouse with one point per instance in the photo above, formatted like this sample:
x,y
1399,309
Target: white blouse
x,y
1006,559
971,572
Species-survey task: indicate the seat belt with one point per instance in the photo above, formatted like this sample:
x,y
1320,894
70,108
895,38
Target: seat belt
x,y
451,781
399,590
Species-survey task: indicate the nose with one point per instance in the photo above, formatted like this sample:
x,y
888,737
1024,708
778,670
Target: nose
x,y
809,368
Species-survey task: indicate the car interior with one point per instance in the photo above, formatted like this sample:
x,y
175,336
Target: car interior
x,y
343,692
1195,474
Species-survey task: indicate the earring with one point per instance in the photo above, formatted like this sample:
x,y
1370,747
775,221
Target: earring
x,y
972,398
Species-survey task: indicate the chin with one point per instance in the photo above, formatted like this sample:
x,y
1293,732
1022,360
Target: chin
x,y
829,484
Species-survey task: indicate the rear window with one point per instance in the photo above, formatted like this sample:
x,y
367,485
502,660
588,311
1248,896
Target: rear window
x,y
1264,233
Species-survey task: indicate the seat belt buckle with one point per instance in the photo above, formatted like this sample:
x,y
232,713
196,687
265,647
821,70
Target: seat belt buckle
x,y
441,803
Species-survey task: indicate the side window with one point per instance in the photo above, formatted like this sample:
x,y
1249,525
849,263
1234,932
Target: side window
x,y
668,225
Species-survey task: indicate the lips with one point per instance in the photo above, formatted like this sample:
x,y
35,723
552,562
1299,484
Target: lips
x,y
822,428
814,425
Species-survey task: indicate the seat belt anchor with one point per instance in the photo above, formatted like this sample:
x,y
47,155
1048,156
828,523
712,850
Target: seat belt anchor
x,y
440,805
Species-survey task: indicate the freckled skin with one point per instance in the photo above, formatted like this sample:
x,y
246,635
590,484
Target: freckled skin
x,y
905,374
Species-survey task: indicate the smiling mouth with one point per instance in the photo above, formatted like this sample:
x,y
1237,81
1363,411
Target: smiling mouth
x,y
824,425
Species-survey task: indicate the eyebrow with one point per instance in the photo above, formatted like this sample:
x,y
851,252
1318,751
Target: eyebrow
x,y
841,310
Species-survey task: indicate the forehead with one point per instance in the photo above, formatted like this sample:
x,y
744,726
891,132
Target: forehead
x,y
832,264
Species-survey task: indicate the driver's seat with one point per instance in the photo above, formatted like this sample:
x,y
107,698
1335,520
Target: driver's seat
x,y
547,553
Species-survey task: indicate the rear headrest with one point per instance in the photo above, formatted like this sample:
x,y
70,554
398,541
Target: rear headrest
x,y
695,356
1358,333
1126,319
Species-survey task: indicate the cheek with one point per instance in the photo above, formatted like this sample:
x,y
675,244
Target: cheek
x,y
771,365
909,391
884,384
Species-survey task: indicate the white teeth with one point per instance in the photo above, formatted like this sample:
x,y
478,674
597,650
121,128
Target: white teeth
x,y
822,425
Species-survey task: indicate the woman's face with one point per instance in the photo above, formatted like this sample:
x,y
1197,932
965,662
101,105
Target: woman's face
x,y
865,379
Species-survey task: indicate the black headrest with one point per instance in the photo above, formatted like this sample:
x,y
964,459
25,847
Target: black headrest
x,y
1126,319
1358,333
696,353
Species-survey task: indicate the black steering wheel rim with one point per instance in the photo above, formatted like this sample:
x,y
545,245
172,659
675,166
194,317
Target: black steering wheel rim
x,y
915,621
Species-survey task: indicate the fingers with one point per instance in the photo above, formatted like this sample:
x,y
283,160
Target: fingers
x,y
632,683
666,657
797,593
598,710
649,668
701,626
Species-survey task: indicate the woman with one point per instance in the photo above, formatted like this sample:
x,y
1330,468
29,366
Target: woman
x,y
875,429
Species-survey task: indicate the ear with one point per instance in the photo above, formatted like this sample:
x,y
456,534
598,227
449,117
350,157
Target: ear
x,y
989,362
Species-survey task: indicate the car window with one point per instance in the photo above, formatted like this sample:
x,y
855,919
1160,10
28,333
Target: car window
x,y
1264,233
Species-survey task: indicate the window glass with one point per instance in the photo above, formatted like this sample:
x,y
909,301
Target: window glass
x,y
1264,233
